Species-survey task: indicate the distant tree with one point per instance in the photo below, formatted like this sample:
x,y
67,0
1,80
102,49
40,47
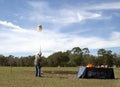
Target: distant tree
x,y
101,52
109,58
105,57
75,59
89,59
99,61
2,60
85,51
26,61
58,59
10,60
79,56
116,58
68,52
44,61
76,50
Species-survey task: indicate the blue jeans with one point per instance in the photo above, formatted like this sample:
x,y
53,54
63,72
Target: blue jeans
x,y
38,70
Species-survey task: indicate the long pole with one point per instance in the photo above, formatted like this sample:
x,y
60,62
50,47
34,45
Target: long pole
x,y
11,69
40,48
39,28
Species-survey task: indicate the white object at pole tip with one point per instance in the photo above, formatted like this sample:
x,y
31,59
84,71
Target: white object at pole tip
x,y
39,27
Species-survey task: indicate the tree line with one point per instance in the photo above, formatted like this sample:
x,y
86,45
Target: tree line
x,y
75,57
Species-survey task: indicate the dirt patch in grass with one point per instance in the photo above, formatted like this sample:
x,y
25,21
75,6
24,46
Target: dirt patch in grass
x,y
60,72
54,72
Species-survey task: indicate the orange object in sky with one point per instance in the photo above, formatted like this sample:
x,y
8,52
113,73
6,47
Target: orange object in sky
x,y
90,65
39,27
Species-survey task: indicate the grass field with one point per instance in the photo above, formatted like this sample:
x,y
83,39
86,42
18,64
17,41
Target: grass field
x,y
24,77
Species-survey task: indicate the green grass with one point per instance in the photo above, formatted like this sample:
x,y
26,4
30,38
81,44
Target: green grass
x,y
24,77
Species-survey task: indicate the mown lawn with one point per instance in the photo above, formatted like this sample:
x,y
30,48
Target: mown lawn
x,y
24,77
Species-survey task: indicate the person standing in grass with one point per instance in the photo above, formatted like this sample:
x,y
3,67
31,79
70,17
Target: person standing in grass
x,y
37,64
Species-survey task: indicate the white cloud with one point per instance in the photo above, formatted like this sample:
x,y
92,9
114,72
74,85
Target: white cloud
x,y
8,24
67,15
115,35
104,6
38,4
61,16
50,41
15,39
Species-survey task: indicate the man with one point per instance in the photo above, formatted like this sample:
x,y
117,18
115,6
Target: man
x,y
37,63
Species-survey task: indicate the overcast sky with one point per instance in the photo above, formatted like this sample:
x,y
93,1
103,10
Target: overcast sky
x,y
66,24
